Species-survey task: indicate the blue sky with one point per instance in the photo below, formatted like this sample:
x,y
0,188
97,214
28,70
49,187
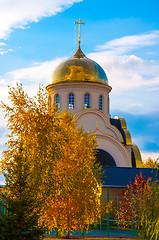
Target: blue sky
x,y
122,36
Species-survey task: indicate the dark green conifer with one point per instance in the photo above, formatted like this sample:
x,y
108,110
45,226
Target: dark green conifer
x,y
20,204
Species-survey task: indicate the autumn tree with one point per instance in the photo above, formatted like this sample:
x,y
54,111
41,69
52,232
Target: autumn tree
x,y
60,157
151,163
140,207
129,207
77,204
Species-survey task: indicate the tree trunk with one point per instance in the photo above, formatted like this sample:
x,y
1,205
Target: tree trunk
x,y
67,234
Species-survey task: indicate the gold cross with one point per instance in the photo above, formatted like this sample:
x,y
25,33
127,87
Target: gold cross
x,y
79,36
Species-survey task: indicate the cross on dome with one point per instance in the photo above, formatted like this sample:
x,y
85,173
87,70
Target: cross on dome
x,y
79,33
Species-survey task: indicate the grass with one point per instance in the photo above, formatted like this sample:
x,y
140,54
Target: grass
x,y
48,238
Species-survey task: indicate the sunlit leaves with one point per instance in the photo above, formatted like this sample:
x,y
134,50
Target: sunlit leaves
x,y
60,158
151,163
134,197
140,207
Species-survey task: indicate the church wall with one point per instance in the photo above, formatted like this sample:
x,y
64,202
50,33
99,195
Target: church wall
x,y
113,191
129,148
108,137
91,119
114,195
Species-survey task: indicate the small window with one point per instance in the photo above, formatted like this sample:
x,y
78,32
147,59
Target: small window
x,y
100,103
86,100
57,101
71,101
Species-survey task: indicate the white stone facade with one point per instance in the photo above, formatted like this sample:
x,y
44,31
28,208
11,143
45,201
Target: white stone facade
x,y
92,119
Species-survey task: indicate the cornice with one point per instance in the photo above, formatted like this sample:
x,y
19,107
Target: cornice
x,y
79,85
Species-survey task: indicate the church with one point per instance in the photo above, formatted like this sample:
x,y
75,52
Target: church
x,y
81,86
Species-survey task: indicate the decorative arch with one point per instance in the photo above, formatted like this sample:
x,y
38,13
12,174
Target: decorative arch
x,y
115,148
93,119
104,158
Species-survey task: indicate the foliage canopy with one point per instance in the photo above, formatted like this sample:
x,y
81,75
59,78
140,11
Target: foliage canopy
x,y
151,163
140,207
60,160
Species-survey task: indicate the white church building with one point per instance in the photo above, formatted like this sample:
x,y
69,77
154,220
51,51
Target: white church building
x,y
80,86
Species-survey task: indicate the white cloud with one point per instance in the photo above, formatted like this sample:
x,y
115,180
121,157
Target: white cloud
x,y
2,44
146,155
3,121
2,48
3,51
18,13
3,138
128,71
135,81
128,43
39,73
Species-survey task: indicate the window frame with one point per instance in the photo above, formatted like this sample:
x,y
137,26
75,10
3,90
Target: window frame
x,y
71,101
100,106
57,101
87,100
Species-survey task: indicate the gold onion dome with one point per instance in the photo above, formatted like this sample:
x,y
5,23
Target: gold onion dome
x,y
79,68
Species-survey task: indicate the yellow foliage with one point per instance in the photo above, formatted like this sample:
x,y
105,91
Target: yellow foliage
x,y
60,157
151,163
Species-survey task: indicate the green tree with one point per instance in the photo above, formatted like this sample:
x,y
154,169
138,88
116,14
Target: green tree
x,y
149,219
21,213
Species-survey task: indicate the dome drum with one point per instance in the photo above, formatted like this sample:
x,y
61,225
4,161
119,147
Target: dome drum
x,y
79,89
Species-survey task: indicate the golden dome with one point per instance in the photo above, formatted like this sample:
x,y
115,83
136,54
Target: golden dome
x,y
79,68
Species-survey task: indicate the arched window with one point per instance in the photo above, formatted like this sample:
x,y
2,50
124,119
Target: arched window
x,y
86,100
71,101
100,103
57,101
